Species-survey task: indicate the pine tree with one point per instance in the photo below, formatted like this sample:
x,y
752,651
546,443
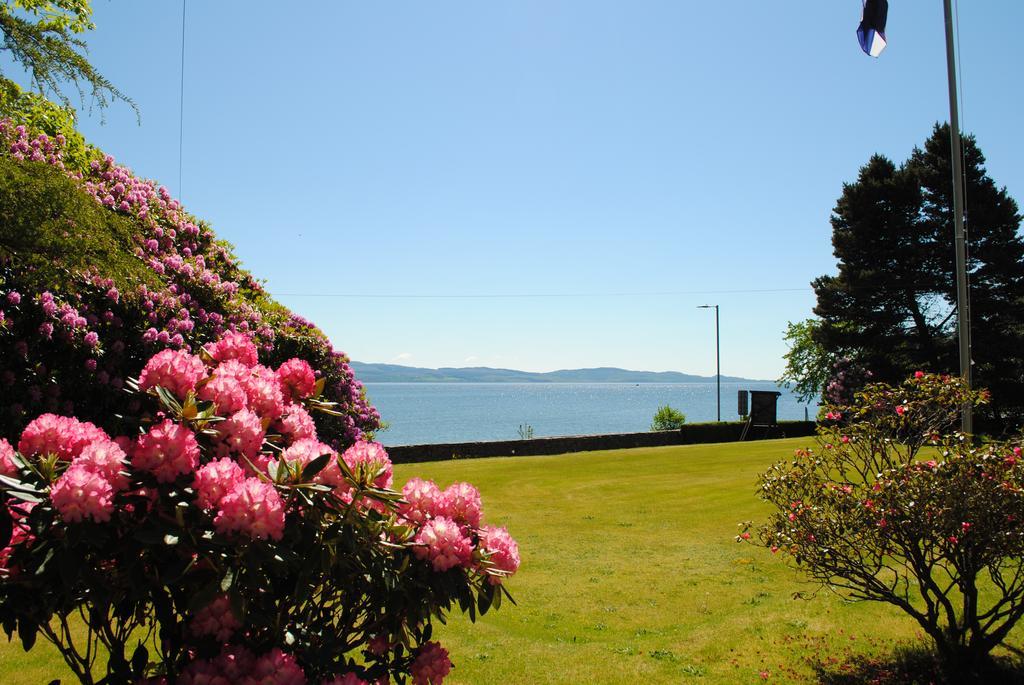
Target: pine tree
x,y
893,302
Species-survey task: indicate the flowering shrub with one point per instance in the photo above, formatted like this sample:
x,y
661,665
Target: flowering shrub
x,y
895,506
207,546
124,272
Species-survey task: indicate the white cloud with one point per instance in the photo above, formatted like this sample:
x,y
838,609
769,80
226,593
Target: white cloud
x,y
403,357
470,359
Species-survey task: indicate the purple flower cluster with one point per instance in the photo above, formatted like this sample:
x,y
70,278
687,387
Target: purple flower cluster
x,y
67,349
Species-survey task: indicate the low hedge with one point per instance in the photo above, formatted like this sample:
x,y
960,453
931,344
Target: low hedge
x,y
689,434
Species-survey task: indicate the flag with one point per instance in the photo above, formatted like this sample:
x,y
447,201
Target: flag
x,y
871,32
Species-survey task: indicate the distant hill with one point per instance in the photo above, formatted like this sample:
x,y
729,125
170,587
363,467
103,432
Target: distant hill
x,y
393,373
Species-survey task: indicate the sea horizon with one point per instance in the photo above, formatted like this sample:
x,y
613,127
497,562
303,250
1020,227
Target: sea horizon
x,y
442,412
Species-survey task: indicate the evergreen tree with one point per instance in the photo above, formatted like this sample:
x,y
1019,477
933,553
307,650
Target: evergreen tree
x,y
892,305
42,37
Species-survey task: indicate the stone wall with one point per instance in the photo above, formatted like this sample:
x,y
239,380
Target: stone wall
x,y
689,434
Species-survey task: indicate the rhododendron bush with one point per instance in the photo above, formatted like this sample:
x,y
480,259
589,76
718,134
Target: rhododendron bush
x,y
100,269
221,541
896,506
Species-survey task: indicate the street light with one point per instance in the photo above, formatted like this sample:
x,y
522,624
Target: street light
x,y
718,358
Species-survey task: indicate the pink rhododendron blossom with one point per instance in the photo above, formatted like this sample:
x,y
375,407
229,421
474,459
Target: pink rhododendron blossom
x,y
60,435
81,493
461,503
241,435
442,542
226,391
253,508
215,620
306,450
7,466
431,665
21,536
275,668
233,368
263,389
347,679
297,378
369,460
422,501
296,423
504,551
216,479
168,450
175,370
234,346
106,458
204,672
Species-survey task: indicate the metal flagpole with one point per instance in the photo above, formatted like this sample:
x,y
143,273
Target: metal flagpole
x,y
962,296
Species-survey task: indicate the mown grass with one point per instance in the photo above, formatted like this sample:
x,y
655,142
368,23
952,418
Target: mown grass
x,y
631,574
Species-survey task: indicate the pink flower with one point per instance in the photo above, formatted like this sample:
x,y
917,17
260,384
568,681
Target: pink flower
x,y
81,493
203,672
296,423
7,466
105,458
504,552
175,370
234,346
276,668
168,450
422,500
214,480
431,665
240,435
225,391
253,508
901,410
306,450
442,542
369,461
263,390
60,435
461,503
919,374
215,620
297,378
21,536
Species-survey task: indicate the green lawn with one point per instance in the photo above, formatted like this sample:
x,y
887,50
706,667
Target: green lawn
x,y
631,575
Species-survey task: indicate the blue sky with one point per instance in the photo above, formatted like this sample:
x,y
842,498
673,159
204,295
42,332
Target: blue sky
x,y
573,177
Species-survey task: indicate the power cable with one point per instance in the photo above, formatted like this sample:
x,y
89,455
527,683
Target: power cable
x,y
181,103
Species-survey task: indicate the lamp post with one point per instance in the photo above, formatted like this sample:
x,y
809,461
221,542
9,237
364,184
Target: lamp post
x,y
718,358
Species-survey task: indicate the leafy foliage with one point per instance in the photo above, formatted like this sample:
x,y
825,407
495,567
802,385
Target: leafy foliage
x,y
896,507
99,269
667,418
284,558
807,363
42,36
892,306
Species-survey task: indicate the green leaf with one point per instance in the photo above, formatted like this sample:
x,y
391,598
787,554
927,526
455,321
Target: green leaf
x,y
27,631
316,466
6,524
140,659
227,581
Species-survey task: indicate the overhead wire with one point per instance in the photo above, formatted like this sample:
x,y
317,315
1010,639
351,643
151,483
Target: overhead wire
x,y
181,104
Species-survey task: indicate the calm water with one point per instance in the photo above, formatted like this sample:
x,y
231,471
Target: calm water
x,y
420,413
